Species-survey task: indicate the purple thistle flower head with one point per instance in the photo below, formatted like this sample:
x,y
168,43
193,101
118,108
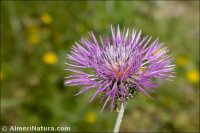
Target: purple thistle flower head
x,y
121,65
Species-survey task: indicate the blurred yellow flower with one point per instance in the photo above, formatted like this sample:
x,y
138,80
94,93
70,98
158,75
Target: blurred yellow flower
x,y
34,38
90,117
193,76
50,58
46,18
181,61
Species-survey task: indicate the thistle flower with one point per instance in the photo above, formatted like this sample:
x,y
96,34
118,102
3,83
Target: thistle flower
x,y
120,66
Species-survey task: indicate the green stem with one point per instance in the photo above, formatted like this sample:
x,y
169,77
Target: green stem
x,y
119,119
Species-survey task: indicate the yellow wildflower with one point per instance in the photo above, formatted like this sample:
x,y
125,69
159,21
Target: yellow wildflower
x,y
46,18
193,76
50,58
90,117
34,38
181,61
33,33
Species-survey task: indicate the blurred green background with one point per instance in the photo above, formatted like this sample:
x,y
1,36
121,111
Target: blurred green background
x,y
37,35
